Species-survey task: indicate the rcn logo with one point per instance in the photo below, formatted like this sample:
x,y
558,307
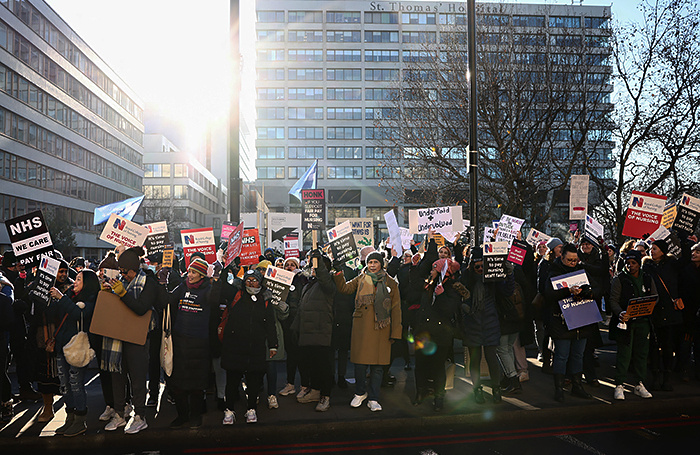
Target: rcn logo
x,y
271,272
189,240
119,224
333,235
637,202
686,200
488,248
44,263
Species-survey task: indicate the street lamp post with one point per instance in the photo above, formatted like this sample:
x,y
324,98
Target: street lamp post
x,y
234,178
473,152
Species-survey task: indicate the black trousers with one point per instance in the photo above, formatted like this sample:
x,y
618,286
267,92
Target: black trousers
x,y
254,385
318,361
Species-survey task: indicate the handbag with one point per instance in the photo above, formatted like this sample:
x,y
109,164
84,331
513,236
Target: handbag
x,y
77,351
49,342
166,344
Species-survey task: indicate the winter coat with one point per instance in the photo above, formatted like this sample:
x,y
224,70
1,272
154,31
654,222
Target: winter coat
x,y
438,317
665,274
690,292
621,291
481,324
597,269
314,319
343,307
67,306
293,297
281,314
554,320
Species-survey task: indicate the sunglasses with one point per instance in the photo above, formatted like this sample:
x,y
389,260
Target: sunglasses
x,y
478,266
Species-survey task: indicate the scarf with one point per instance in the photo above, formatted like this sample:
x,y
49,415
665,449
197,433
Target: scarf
x,y
111,348
373,289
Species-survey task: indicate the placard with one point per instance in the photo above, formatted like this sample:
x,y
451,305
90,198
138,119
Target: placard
x,y
688,215
235,244
30,238
362,229
579,313
291,247
198,240
313,210
569,280
439,219
508,227
281,225
113,319
489,234
578,197
643,214
674,243
278,281
250,247
45,278
158,237
168,256
120,231
343,242
394,231
494,261
593,230
534,237
641,306
669,216
517,252
227,229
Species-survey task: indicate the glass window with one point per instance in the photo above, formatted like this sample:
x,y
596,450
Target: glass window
x,y
381,18
453,19
381,56
270,153
338,55
347,36
270,35
270,93
305,36
499,20
528,21
270,74
418,18
418,37
305,16
305,132
305,94
270,133
345,153
344,113
271,16
270,113
306,113
165,170
270,55
381,74
343,17
305,74
306,152
344,172
305,55
381,36
565,21
271,172
347,133
597,22
344,74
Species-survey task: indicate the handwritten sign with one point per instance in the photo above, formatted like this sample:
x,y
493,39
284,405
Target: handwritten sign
x,y
508,227
394,231
313,211
30,238
643,214
578,197
120,231
534,237
362,229
439,219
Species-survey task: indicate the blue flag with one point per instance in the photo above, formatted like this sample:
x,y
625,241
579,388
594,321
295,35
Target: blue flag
x,y
125,209
306,182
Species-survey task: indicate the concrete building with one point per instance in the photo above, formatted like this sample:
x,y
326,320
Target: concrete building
x,y
322,68
71,131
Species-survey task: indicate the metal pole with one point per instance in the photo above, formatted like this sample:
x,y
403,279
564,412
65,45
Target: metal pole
x,y
234,178
473,152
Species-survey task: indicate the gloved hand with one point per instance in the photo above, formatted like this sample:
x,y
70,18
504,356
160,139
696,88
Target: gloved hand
x,y
118,288
509,268
315,254
338,265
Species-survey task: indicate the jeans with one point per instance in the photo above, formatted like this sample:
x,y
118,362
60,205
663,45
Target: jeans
x,y
506,354
571,351
375,380
72,383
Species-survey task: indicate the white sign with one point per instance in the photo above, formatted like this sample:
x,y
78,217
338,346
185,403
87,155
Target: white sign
x,y
691,202
578,278
279,275
578,197
280,225
534,237
120,231
394,231
508,228
593,229
439,219
495,248
160,227
49,265
489,233
362,229
339,231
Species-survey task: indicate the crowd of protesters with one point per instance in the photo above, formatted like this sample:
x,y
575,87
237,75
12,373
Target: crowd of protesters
x,y
226,326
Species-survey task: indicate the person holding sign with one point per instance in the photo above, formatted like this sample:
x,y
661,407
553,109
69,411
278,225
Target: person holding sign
x,y
690,292
632,335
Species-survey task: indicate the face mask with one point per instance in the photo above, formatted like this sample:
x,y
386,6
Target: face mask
x,y
252,291
152,268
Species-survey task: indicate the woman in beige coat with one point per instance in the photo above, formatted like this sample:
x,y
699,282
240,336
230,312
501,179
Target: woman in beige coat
x,y
376,324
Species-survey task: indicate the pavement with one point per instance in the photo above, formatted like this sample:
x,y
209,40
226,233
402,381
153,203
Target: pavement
x,y
292,421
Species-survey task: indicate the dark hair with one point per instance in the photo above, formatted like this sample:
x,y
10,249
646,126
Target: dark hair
x,y
569,248
91,284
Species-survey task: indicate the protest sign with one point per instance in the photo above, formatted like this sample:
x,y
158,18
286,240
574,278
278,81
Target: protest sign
x,y
641,306
406,238
113,319
439,219
643,214
578,197
489,234
120,231
534,237
494,261
313,210
569,280
508,227
579,313
688,215
168,256
669,216
291,247
278,281
198,240
394,231
674,243
593,230
439,240
45,278
158,237
250,247
517,252
281,225
343,242
234,244
226,229
30,238
362,229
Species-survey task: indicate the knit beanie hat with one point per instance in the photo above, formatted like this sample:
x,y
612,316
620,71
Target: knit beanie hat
x,y
110,262
263,264
294,260
553,243
375,255
199,265
64,265
9,259
662,245
635,255
129,260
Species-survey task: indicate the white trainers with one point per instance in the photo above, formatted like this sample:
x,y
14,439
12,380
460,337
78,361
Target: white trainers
x,y
324,404
620,392
303,392
374,406
642,391
251,416
229,417
311,396
107,415
357,400
288,390
115,422
135,425
272,402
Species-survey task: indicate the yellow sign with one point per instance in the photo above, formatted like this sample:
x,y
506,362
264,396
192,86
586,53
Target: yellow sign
x,y
168,256
669,216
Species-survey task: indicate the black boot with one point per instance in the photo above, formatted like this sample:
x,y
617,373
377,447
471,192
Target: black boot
x,y
547,362
342,383
513,387
666,385
559,388
79,426
70,416
183,411
421,395
438,404
479,395
496,392
655,380
577,389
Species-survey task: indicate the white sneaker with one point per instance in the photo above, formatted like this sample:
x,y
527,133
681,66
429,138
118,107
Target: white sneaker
x,y
324,404
357,400
303,392
272,402
288,390
374,406
135,425
620,392
107,415
115,422
229,417
251,416
642,391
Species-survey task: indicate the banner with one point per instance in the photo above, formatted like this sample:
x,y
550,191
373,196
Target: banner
x,y
439,219
534,237
688,215
343,242
45,278
508,228
278,281
643,214
394,231
281,225
593,230
250,247
569,280
198,240
30,238
125,209
291,247
158,237
362,229
517,252
313,210
578,197
641,306
579,313
495,261
120,231
235,244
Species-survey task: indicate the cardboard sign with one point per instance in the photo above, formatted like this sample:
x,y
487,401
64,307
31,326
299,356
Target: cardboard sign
x,y
362,229
120,231
494,261
578,197
439,219
641,306
291,247
534,237
227,229
593,230
517,252
112,318
45,278
394,231
313,210
235,244
688,215
30,238
669,216
158,237
508,228
579,313
250,247
643,214
168,256
343,242
198,240
569,280
278,281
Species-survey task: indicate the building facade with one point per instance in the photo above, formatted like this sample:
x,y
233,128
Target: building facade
x,y
71,131
324,72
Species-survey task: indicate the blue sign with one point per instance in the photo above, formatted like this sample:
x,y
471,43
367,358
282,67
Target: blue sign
x,y
579,313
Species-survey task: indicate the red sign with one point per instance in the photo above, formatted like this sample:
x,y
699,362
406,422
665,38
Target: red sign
x,y
226,229
250,248
235,244
198,240
643,214
517,252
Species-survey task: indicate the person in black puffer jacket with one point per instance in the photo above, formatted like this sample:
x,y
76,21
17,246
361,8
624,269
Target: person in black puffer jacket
x,y
690,292
290,341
